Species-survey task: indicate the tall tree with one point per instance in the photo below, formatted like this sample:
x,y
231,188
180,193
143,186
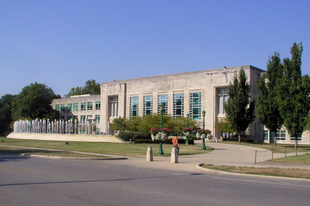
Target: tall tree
x,y
34,101
90,87
294,94
267,105
239,110
5,114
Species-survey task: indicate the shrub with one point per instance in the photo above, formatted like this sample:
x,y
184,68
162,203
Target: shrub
x,y
127,136
149,141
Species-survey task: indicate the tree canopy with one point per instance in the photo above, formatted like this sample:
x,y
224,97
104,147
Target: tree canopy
x,y
145,123
90,87
5,114
267,104
34,101
294,94
239,110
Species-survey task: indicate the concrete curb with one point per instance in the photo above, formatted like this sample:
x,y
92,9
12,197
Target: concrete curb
x,y
75,158
202,169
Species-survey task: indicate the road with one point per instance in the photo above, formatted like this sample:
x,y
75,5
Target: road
x,y
40,181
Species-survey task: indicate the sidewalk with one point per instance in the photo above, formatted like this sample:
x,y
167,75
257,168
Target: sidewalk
x,y
223,154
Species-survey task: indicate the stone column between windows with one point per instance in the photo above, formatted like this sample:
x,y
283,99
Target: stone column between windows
x,y
186,102
141,104
170,102
122,101
155,102
215,113
104,112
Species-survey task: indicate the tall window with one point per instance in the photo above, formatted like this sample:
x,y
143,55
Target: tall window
x,y
69,107
83,106
266,135
222,98
57,107
134,106
163,99
62,107
195,105
89,116
281,135
97,117
97,105
114,106
75,106
89,106
147,105
82,117
178,105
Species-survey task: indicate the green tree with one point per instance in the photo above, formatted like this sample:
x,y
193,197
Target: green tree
x,y
239,110
90,87
267,105
5,114
119,124
224,126
294,95
133,124
34,101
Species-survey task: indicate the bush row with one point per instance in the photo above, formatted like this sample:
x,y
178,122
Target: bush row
x,y
166,141
132,136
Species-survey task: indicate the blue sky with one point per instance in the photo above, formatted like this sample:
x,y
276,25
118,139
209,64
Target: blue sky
x,y
64,43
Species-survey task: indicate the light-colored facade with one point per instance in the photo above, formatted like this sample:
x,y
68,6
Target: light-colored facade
x,y
182,94
79,107
283,137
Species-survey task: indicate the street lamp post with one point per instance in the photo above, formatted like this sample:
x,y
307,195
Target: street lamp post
x,y
186,142
203,127
160,150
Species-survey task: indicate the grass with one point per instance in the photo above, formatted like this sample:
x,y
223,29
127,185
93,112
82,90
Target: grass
x,y
283,172
30,152
123,149
303,159
280,148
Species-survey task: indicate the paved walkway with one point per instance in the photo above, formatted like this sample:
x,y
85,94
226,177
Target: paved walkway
x,y
223,154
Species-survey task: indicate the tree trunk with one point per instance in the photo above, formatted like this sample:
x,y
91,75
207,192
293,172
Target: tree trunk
x,y
296,143
239,138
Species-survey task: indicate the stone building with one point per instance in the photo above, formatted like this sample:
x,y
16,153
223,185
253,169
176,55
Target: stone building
x,y
181,94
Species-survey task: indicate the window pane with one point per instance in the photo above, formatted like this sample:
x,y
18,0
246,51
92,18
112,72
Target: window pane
x,y
178,105
83,106
147,105
89,106
98,105
75,106
134,106
162,100
195,106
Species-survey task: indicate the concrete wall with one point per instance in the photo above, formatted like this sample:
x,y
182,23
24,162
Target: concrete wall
x,y
63,137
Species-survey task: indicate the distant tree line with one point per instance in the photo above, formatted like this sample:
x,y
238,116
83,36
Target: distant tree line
x,y
34,101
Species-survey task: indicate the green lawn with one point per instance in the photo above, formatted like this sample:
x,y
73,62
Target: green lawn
x,y
295,159
123,149
269,171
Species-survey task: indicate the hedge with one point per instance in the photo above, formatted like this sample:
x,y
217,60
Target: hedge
x,y
166,141
127,136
